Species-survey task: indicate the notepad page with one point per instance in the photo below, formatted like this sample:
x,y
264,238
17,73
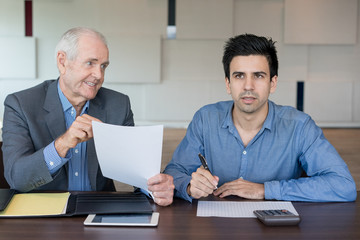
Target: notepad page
x,y
239,209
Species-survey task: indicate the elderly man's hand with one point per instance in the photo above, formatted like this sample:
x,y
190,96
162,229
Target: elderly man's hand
x,y
79,131
162,187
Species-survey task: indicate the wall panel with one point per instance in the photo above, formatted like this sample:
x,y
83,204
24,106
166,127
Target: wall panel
x,y
12,18
321,21
264,18
204,19
134,59
18,55
192,60
328,101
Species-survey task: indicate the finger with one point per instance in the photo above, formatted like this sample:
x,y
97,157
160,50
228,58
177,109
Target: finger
x,y
85,125
90,118
156,179
197,193
161,179
163,201
163,194
206,178
227,193
200,188
162,187
74,135
223,188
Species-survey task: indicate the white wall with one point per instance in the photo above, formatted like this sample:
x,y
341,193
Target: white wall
x,y
176,77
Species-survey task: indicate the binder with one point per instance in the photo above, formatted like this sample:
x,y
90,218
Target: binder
x,y
72,204
5,197
98,203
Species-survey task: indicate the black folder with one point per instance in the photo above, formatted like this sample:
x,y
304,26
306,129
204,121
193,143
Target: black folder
x,y
84,203
5,197
110,203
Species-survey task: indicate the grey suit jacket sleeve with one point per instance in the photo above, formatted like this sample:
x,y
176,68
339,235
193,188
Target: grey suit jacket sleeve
x,y
24,165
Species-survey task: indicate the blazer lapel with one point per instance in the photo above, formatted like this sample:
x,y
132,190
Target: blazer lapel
x,y
95,110
55,119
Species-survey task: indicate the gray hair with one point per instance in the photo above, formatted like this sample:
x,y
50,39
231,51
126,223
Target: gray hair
x,y
69,41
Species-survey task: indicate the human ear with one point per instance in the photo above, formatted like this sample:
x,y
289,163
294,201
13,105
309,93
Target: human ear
x,y
273,83
61,60
227,83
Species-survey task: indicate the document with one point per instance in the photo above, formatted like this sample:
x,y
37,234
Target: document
x,y
36,204
130,155
239,209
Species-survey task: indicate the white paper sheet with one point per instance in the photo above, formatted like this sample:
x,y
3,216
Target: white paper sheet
x,y
239,209
130,155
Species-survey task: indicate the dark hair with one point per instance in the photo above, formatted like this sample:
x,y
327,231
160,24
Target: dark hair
x,y
249,44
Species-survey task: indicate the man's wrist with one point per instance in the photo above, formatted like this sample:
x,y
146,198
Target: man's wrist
x,y
60,148
188,190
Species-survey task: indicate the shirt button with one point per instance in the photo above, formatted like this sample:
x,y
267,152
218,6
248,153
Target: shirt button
x,y
244,152
76,150
76,174
51,163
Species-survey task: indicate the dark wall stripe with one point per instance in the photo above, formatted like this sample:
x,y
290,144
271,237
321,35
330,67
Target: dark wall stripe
x,y
300,96
171,12
28,18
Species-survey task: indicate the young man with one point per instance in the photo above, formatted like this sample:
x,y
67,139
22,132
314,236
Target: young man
x,y
254,148
47,132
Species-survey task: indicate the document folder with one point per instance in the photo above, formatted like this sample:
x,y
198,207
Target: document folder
x,y
88,203
82,203
5,197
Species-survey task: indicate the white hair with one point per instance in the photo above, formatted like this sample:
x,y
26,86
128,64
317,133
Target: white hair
x,y
69,41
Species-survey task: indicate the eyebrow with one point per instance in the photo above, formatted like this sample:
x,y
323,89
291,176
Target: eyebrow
x,y
97,60
257,72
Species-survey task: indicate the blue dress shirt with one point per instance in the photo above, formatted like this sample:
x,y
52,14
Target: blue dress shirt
x,y
288,143
76,157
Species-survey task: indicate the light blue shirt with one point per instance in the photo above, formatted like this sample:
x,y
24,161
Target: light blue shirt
x,y
76,157
288,143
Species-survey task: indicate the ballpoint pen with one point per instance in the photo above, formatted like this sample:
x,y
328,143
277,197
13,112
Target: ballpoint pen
x,y
205,165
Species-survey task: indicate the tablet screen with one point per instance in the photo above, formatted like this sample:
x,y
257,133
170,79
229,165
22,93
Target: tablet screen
x,y
150,219
129,218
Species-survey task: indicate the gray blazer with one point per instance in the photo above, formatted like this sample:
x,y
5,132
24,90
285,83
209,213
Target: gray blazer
x,y
33,118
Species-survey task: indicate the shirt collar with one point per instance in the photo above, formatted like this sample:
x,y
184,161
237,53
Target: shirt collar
x,y
228,121
66,105
270,117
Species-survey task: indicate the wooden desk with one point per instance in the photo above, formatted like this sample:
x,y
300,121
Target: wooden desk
x,y
179,221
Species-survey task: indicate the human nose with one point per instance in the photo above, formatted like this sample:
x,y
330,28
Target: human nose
x,y
98,72
249,83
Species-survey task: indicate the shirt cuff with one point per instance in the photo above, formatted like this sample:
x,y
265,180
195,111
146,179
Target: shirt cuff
x,y
182,191
272,190
52,159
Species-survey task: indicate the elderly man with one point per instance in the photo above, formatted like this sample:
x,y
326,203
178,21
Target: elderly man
x,y
47,133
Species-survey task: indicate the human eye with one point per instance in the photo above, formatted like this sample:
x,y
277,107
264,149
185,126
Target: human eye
x,y
259,75
104,66
89,63
239,75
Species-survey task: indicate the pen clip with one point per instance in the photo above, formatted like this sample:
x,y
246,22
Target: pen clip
x,y
203,162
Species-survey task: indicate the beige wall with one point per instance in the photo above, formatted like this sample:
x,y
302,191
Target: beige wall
x,y
168,80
